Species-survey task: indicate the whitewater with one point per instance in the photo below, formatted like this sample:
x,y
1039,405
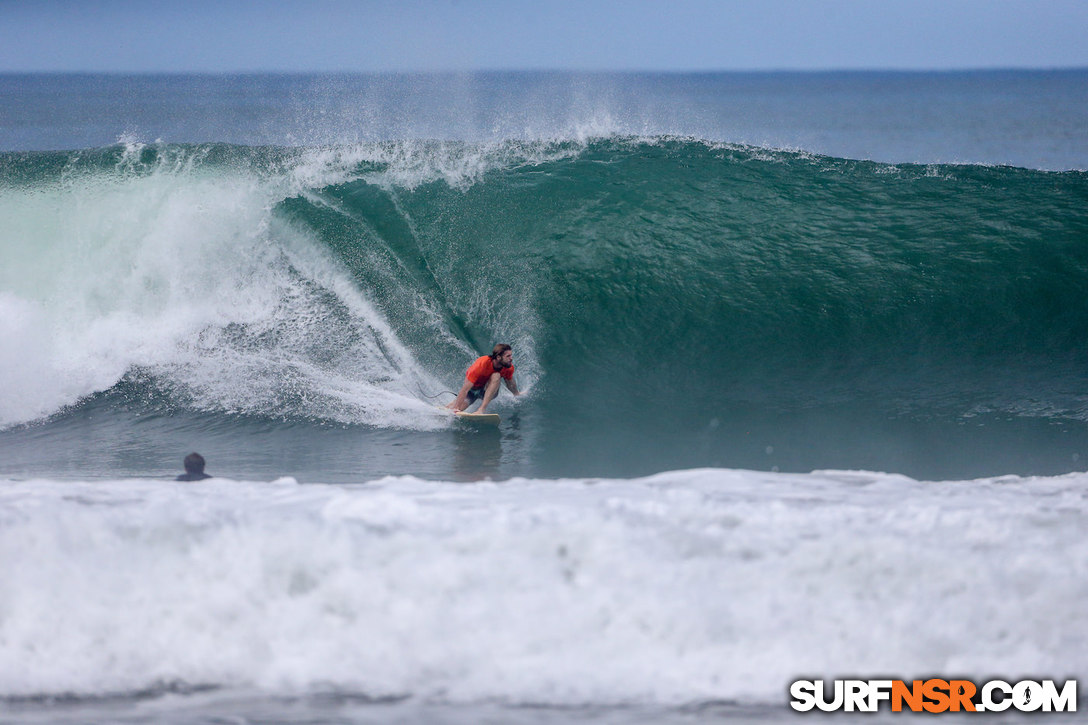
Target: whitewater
x,y
806,393
682,589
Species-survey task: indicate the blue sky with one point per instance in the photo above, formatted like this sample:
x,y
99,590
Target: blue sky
x,y
459,35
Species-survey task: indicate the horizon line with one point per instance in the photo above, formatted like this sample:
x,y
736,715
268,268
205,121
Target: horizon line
x,y
569,71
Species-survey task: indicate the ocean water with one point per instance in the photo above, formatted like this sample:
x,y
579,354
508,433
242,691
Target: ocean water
x,y
804,369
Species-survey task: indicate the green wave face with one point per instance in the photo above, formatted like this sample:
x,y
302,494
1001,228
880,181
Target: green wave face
x,y
671,273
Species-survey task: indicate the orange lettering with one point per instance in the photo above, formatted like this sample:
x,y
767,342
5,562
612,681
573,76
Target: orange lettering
x,y
961,693
912,696
935,690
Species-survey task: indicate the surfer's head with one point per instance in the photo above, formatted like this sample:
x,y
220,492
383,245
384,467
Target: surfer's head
x,y
194,463
503,355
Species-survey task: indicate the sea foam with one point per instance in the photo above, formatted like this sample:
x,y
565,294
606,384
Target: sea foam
x,y
682,587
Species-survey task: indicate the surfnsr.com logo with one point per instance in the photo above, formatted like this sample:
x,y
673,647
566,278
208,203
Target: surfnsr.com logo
x,y
934,696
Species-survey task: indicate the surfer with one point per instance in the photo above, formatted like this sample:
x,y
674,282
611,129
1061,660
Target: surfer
x,y
483,376
194,468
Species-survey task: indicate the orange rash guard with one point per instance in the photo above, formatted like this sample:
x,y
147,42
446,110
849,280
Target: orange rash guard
x,y
480,371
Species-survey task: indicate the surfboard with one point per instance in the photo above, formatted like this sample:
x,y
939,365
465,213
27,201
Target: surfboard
x,y
488,418
483,418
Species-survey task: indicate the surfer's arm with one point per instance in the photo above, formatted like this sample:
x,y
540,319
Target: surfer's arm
x,y
512,386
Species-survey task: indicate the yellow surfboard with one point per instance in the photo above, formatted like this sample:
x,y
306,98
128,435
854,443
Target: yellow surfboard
x,y
482,418
488,418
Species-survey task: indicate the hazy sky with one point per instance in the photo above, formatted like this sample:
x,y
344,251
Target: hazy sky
x,y
457,35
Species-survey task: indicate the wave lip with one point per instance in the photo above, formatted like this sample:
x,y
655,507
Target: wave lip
x,y
1022,118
